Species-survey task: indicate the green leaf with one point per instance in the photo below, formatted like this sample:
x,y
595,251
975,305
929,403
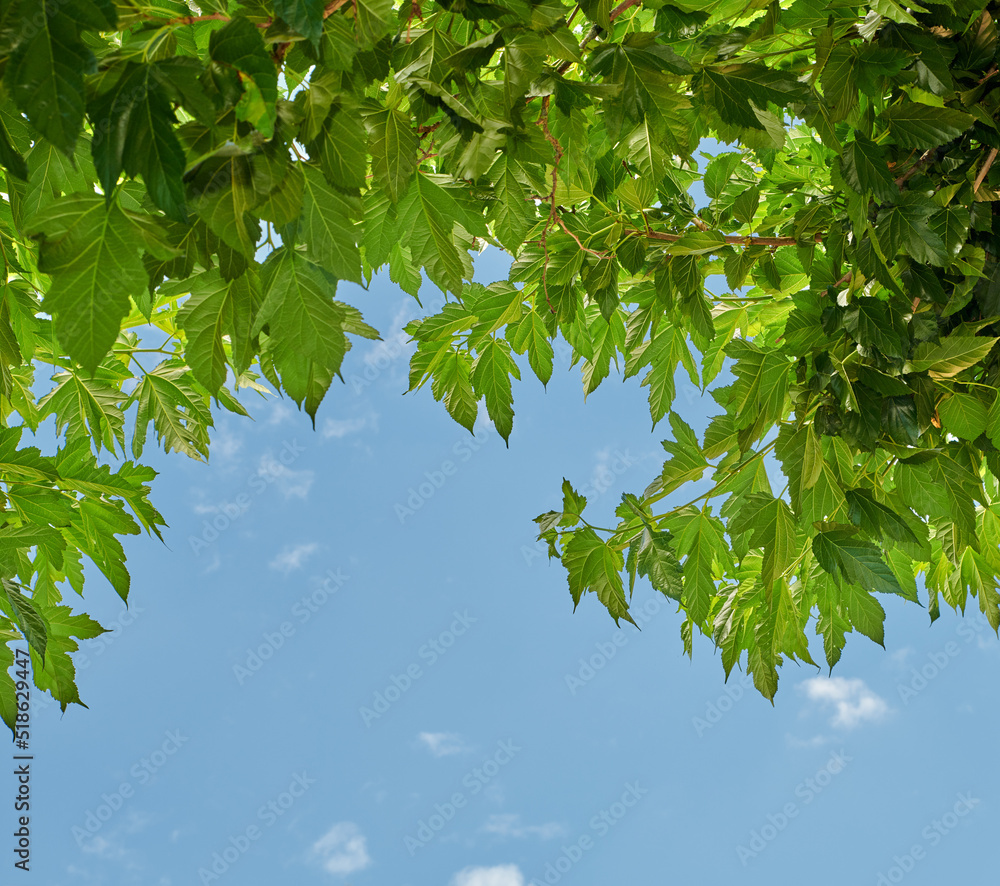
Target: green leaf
x,y
373,18
45,72
877,519
761,386
429,213
687,463
451,381
328,229
341,150
701,546
86,408
963,415
773,528
305,326
179,416
25,616
852,560
864,167
593,565
698,243
509,213
92,252
305,16
56,673
529,334
732,88
915,126
214,309
133,131
240,45
951,355
719,171
223,193
655,559
572,506
491,372
393,146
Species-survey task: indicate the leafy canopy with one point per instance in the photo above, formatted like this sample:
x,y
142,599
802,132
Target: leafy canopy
x,y
184,186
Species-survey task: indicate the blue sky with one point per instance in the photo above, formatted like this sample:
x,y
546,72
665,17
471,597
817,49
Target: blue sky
x,y
365,673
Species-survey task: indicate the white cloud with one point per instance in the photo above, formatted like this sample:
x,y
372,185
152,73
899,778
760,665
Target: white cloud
x,y
292,558
814,742
224,444
501,875
279,413
854,703
900,656
342,850
510,826
443,744
338,428
293,484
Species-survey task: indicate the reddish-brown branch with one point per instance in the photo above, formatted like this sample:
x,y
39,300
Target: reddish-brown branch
x,y
916,167
331,8
208,17
592,252
986,168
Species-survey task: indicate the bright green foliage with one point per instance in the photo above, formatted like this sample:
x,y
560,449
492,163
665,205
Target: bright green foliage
x,y
184,188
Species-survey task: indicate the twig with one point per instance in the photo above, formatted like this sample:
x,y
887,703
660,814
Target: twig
x,y
331,8
578,243
209,17
986,168
915,168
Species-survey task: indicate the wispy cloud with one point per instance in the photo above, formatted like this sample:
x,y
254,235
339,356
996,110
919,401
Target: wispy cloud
x,y
292,484
443,744
342,850
853,702
339,428
225,444
814,742
510,826
293,557
501,875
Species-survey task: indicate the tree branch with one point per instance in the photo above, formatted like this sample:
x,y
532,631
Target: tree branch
x,y
986,168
